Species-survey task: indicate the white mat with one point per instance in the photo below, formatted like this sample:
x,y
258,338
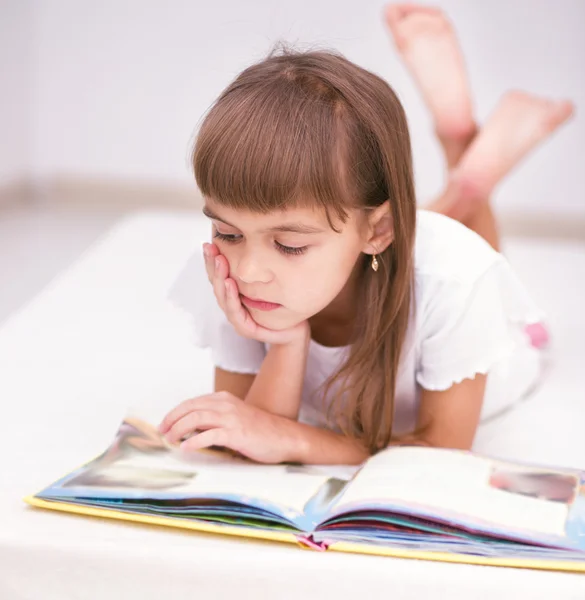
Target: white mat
x,y
102,338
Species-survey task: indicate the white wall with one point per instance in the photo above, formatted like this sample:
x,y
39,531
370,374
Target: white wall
x,y
120,84
15,78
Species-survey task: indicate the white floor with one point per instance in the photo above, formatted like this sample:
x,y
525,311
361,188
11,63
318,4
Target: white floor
x,y
37,242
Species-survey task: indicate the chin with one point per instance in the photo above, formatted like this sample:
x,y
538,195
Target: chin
x,y
273,320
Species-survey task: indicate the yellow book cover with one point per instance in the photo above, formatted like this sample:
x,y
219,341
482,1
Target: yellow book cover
x,y
408,502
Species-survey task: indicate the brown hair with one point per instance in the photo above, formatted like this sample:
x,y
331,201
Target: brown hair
x,y
312,127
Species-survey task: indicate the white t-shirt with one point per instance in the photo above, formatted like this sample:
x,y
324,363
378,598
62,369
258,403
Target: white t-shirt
x,y
471,312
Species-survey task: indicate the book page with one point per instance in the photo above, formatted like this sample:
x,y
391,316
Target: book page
x,y
140,464
246,482
499,494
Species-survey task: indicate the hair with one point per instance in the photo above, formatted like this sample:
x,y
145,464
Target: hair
x,y
312,128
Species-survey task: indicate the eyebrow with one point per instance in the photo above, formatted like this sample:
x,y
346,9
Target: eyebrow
x,y
284,228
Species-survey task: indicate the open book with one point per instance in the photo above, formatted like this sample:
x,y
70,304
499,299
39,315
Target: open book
x,y
414,502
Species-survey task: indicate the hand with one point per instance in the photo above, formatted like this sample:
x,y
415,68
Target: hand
x,y
228,297
222,419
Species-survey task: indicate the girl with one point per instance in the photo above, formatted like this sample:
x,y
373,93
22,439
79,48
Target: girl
x,y
340,319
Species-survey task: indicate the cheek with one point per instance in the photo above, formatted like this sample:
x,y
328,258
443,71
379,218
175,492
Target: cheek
x,y
306,290
322,279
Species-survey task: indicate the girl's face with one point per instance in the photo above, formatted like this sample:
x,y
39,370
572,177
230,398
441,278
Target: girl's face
x,y
292,258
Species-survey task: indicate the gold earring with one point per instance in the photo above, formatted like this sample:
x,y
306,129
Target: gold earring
x,y
375,264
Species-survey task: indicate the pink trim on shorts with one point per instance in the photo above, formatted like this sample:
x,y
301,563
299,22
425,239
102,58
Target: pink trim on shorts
x,y
538,334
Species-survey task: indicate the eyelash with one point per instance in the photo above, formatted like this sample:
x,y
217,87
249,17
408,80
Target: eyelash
x,y
232,239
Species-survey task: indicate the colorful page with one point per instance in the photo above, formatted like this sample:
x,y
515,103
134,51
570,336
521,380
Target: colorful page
x,y
140,472
477,494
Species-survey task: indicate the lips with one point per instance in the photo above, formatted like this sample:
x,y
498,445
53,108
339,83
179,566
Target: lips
x,y
258,304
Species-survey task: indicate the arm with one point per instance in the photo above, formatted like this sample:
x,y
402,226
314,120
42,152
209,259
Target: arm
x,y
312,445
238,384
450,417
278,386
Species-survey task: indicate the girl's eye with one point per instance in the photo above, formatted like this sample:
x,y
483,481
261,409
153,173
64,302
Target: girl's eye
x,y
232,238
290,249
227,237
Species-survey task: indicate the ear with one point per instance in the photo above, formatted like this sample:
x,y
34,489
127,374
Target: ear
x,y
380,229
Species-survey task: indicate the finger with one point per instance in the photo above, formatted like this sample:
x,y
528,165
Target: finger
x,y
209,401
195,420
205,439
235,311
221,272
208,261
210,251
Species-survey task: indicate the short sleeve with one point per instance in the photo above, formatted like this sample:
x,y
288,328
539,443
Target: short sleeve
x,y
468,327
192,295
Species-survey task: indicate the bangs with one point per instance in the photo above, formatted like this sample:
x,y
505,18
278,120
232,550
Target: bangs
x,y
275,142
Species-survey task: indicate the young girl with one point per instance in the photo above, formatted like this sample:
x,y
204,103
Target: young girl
x,y
340,318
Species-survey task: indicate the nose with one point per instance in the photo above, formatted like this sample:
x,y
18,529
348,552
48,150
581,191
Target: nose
x,y
251,268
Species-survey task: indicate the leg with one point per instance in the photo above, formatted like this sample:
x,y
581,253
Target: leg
x,y
481,220
427,43
519,123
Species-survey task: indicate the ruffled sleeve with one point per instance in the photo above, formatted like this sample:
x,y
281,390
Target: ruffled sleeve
x,y
467,327
192,294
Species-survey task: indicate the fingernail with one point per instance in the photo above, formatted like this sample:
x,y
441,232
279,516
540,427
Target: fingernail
x,y
228,289
206,250
217,263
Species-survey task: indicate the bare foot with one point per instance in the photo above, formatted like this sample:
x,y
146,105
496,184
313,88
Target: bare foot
x,y
518,124
425,38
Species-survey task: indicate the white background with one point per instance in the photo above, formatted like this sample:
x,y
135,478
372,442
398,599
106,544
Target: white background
x,y
115,88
